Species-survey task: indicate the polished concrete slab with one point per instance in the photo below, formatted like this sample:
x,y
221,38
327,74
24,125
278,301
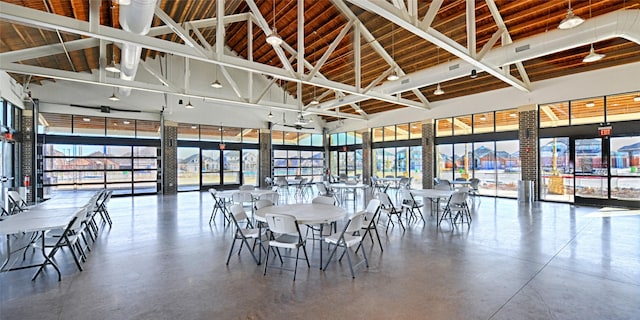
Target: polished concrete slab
x,y
162,260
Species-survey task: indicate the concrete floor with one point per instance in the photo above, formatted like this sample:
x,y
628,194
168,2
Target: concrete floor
x,y
162,260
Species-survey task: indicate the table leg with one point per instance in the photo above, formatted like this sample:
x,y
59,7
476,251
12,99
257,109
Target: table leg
x,y
260,243
321,241
6,261
47,257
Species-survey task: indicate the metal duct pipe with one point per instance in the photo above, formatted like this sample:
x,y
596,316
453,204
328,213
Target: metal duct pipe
x,y
135,17
624,24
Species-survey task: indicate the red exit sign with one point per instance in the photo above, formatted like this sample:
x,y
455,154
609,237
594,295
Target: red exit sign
x,y
604,131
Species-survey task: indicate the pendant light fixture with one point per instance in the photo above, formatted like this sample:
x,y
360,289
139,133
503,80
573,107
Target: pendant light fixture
x,y
438,90
189,105
592,56
216,84
112,67
571,20
114,97
273,38
393,76
270,114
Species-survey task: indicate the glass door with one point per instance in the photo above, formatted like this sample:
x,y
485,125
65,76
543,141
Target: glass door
x,y
556,170
231,167
591,172
210,167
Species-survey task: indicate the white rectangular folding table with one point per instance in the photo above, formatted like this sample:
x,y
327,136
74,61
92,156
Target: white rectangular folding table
x,y
35,221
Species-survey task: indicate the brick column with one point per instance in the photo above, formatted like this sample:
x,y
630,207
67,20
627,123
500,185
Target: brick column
x,y
528,136
428,150
366,156
265,157
170,158
27,149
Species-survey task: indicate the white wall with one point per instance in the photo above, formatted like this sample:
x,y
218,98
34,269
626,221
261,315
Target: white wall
x,y
10,90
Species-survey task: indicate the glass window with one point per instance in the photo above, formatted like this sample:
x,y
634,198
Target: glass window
x,y
390,133
148,129
121,128
556,169
415,169
342,140
462,125
402,161
88,126
145,151
444,161
54,123
358,137
378,162
317,140
623,107
188,132
334,139
416,130
210,133
351,139
111,151
554,115
358,164
9,115
188,168
342,163
291,138
507,120
251,135
625,158
587,111
210,167
304,139
483,122
231,166
333,162
250,166
231,134
277,137
402,131
508,168
462,158
444,127
389,162
376,134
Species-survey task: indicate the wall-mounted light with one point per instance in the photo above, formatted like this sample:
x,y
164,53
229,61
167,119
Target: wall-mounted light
x,y
590,104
